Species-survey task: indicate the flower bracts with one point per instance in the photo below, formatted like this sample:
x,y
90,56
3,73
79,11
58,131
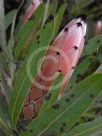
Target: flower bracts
x,y
62,56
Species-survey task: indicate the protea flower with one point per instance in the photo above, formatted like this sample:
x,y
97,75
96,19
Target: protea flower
x,y
62,56
32,8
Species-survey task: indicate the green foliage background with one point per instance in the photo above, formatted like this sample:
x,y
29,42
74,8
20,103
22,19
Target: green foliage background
x,y
80,109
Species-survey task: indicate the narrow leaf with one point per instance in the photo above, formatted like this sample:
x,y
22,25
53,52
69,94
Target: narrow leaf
x,y
78,72
4,119
5,87
9,17
63,116
92,45
26,31
53,94
4,62
3,42
3,107
11,43
4,125
86,129
58,19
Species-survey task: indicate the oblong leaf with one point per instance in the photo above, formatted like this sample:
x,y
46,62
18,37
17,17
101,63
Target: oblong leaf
x,y
86,129
68,111
92,45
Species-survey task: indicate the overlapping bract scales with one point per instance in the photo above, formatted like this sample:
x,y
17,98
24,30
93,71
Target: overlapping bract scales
x,y
62,56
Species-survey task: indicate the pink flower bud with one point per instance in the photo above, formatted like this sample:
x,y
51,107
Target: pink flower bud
x,y
98,28
32,8
62,56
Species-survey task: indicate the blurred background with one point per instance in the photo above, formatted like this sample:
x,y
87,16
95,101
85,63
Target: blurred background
x,y
92,8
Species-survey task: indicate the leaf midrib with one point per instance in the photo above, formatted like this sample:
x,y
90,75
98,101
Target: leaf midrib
x,y
66,110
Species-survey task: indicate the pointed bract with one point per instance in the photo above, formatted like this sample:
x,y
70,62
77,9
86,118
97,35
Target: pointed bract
x,y
62,56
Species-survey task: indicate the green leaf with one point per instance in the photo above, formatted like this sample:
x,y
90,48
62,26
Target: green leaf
x,y
58,19
4,62
24,80
5,126
5,87
92,45
53,7
53,94
21,21
64,115
9,17
99,69
3,107
27,30
4,119
47,5
11,43
86,129
3,42
79,71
